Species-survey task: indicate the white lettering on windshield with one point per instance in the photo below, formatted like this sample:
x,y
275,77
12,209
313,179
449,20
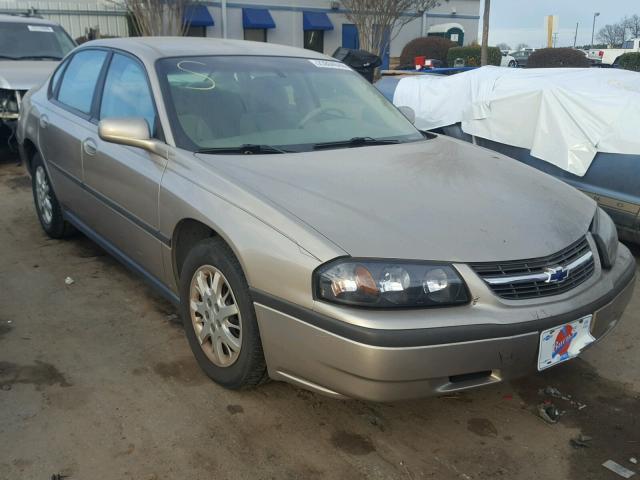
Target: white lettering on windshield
x,y
203,76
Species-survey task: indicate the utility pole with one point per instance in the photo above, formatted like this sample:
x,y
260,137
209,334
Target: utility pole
x,y
575,37
593,30
484,49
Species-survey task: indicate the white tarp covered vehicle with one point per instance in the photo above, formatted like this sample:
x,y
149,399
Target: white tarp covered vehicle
x,y
563,116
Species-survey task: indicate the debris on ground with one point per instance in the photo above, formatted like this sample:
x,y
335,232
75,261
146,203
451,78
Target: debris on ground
x,y
58,476
634,460
619,469
551,392
69,281
549,412
581,441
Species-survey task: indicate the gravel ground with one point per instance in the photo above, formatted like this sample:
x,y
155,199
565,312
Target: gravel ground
x,y
97,382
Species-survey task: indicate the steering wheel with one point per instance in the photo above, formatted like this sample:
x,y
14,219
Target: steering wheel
x,y
316,112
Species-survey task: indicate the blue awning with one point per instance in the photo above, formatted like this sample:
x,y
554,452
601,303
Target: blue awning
x,y
197,16
257,18
316,21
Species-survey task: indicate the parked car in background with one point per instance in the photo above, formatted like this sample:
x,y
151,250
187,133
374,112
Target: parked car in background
x,y
30,48
611,56
307,230
508,60
522,57
612,174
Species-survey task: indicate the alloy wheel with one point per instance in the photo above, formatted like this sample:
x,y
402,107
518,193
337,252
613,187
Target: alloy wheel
x,y
215,316
43,195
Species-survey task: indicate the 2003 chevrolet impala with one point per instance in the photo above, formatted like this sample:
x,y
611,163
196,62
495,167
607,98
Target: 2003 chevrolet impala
x,y
307,230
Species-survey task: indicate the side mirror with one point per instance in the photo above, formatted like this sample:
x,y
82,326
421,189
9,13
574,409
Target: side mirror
x,y
130,131
409,113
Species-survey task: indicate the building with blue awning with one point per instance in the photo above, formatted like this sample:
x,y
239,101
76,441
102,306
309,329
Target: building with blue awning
x,y
315,24
320,25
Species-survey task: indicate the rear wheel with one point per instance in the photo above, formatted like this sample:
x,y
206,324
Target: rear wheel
x,y
47,205
219,318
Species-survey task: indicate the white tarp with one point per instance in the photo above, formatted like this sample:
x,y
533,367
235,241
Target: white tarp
x,y
563,115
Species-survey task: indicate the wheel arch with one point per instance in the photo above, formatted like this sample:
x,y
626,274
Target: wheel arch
x,y
187,233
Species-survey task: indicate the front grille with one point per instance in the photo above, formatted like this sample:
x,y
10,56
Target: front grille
x,y
535,288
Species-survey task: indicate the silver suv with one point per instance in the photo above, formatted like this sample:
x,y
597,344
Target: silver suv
x,y
30,48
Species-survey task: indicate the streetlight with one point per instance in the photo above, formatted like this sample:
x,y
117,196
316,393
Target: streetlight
x,y
593,30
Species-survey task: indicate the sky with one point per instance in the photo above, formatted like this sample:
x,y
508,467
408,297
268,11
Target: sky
x,y
523,21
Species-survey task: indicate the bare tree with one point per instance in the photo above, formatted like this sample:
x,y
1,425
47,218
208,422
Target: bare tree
x,y
633,24
521,46
379,21
484,49
158,17
612,35
504,46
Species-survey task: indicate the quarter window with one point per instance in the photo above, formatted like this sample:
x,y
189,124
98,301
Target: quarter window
x,y
126,92
80,79
55,80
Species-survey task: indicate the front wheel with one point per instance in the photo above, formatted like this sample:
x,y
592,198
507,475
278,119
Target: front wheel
x,y
219,318
513,64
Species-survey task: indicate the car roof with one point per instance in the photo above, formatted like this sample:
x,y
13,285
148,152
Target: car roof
x,y
4,18
152,48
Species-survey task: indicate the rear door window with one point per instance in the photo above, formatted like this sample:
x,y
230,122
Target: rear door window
x,y
80,79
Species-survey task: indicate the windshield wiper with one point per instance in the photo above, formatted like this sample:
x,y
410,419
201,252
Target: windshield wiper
x,y
37,57
356,142
246,149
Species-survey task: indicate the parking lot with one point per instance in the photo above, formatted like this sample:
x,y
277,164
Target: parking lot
x,y
98,382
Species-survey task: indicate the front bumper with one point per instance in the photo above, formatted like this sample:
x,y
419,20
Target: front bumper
x,y
343,359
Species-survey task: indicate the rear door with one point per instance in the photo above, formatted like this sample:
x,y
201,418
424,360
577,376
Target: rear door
x,y
65,122
125,181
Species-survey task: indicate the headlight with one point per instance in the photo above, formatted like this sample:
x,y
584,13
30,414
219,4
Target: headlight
x,y
8,101
606,236
389,283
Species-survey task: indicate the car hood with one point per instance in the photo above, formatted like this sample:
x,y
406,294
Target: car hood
x,y
24,74
439,199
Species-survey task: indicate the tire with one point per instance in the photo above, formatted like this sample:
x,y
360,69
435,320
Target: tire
x,y
513,64
224,363
47,206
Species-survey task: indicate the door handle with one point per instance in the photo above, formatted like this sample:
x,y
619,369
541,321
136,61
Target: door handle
x,y
44,121
89,147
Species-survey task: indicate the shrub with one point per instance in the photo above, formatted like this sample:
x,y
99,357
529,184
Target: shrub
x,y
630,61
430,47
557,58
471,55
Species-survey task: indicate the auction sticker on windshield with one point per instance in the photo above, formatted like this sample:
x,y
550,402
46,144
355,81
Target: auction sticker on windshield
x,y
564,342
329,64
40,28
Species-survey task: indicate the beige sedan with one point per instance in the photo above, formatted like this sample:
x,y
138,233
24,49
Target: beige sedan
x,y
305,228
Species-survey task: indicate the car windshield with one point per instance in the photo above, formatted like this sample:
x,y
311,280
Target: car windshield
x,y
293,104
24,41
